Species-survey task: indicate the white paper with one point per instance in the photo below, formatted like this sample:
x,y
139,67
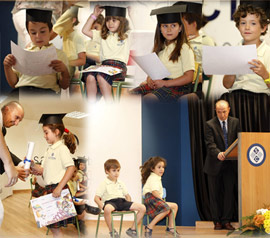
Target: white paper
x,y
48,210
33,63
152,66
106,69
29,154
228,60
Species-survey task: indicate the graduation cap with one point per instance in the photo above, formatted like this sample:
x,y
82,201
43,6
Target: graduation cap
x,y
111,11
39,15
192,7
47,119
265,5
169,14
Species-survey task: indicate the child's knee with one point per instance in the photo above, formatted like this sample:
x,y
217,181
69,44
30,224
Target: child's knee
x,y
108,209
142,208
90,79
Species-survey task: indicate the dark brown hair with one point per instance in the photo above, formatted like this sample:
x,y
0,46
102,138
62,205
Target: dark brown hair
x,y
100,20
159,42
149,165
122,29
69,138
50,25
111,164
244,10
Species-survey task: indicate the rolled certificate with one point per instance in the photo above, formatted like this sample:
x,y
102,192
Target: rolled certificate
x,y
27,160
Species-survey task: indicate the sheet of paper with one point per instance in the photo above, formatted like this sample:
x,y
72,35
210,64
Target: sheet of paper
x,y
152,66
229,60
33,63
48,210
110,70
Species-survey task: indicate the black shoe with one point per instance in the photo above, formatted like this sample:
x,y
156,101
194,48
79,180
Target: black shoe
x,y
92,210
131,233
116,235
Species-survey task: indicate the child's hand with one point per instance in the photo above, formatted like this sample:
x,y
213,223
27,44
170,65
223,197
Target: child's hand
x,y
150,83
9,61
57,192
159,83
259,68
58,66
98,10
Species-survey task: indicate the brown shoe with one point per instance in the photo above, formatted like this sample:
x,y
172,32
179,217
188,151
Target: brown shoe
x,y
218,226
228,226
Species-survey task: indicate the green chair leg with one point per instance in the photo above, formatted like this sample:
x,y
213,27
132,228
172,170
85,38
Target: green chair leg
x,y
121,222
78,227
97,226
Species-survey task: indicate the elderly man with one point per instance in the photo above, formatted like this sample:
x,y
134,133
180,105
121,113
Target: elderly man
x,y
220,133
11,114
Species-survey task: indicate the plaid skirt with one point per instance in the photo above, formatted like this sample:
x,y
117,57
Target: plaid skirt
x,y
38,191
117,77
49,189
154,205
164,94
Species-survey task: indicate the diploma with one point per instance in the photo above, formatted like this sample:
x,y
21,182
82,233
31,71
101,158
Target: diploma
x,y
27,161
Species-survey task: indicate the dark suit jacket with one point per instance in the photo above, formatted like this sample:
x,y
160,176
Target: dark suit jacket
x,y
15,159
215,143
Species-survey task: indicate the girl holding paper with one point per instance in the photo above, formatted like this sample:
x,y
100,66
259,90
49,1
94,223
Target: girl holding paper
x,y
57,167
114,49
171,46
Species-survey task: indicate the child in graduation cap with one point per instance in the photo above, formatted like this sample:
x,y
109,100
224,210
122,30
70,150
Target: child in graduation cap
x,y
114,49
39,27
58,166
171,46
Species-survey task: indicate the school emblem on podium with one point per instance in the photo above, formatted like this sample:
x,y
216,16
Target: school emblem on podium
x,y
256,155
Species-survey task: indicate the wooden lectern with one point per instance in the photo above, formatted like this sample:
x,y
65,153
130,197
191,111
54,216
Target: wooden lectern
x,y
253,171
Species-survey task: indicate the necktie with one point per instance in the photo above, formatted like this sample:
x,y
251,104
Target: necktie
x,y
225,134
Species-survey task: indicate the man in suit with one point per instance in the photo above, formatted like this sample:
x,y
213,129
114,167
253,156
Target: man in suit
x,y
220,133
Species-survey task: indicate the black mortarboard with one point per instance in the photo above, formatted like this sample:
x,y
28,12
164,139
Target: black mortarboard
x,y
47,119
265,5
170,14
39,15
111,11
192,7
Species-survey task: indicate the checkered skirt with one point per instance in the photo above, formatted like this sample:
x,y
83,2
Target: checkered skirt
x,y
154,205
49,189
117,77
164,94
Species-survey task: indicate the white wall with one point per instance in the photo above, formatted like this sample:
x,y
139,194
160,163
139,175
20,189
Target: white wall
x,y
115,132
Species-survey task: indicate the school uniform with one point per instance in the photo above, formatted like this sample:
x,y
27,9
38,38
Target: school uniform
x,y
113,52
44,83
154,205
114,193
1,205
185,63
253,82
56,160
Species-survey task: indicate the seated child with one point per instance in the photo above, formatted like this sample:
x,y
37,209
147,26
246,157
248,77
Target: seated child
x,y
112,195
39,26
80,204
152,171
251,21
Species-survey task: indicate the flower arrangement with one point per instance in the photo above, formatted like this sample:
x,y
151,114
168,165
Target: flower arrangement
x,y
256,225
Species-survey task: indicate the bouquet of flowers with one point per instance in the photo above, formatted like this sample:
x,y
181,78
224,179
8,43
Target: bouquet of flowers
x,y
256,225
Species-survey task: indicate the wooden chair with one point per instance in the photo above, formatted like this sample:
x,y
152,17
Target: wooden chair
x,y
121,214
167,219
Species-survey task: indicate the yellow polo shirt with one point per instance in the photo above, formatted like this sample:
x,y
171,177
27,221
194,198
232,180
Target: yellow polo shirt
x,y
253,82
48,81
153,183
185,61
56,160
92,47
112,48
108,190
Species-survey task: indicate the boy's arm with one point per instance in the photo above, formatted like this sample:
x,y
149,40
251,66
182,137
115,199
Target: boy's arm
x,y
86,30
59,66
98,201
81,60
128,198
68,174
259,69
228,81
11,76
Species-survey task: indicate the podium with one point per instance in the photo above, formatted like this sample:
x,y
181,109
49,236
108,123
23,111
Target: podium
x,y
253,171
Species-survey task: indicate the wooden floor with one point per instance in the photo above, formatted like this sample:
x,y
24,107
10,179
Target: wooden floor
x,y
19,222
